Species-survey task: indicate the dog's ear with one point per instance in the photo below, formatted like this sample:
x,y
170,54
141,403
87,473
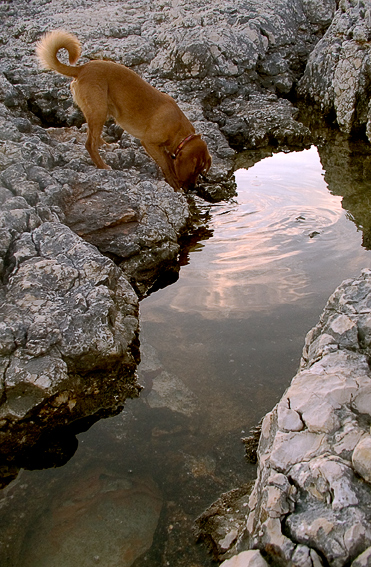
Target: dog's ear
x,y
206,156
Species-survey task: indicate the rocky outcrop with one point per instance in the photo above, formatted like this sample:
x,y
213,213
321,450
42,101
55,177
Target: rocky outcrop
x,y
79,246
69,316
310,505
68,336
337,77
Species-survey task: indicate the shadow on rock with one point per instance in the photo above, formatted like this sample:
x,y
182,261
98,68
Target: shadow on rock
x,y
54,447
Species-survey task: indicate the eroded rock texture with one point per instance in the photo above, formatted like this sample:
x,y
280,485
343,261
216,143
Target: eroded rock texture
x,y
68,335
337,76
311,500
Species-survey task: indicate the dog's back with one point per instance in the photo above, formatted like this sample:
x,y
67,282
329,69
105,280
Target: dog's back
x,y
103,88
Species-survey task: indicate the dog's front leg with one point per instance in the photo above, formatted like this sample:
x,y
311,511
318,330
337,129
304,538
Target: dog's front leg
x,y
165,162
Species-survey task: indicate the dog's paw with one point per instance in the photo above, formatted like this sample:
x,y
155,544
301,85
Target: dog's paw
x,y
110,147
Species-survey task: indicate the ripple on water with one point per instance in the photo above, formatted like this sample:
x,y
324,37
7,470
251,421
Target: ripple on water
x,y
262,250
218,349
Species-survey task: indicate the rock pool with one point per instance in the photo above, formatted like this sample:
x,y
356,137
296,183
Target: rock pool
x,y
219,347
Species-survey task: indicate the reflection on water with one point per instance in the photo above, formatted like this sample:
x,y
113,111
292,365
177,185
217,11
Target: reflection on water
x,y
348,173
264,243
218,349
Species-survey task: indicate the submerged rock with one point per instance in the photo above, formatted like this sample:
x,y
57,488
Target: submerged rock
x,y
96,504
220,525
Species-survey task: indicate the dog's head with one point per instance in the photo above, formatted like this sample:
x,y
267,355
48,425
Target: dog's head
x,y
192,160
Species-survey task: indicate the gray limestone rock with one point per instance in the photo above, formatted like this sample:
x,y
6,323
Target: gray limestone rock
x,y
337,75
311,480
246,559
69,324
361,458
363,560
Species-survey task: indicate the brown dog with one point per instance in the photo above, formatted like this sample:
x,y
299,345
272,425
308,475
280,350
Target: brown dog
x,y
103,88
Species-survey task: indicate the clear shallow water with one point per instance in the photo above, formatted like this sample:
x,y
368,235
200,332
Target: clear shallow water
x,y
219,348
271,245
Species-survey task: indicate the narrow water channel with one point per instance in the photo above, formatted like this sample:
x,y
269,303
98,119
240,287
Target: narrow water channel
x,y
219,347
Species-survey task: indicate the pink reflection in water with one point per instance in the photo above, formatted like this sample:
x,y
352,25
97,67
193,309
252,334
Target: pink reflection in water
x,y
269,245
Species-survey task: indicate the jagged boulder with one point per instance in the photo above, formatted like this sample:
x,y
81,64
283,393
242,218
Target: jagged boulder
x,y
337,75
68,335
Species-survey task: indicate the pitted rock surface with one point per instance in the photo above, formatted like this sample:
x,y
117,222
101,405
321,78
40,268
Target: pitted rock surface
x,y
337,76
68,334
311,500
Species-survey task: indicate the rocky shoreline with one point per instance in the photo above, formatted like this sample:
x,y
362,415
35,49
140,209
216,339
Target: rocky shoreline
x,y
80,247
310,504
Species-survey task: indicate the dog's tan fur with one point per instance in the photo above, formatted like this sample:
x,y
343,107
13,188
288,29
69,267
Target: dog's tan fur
x,y
104,88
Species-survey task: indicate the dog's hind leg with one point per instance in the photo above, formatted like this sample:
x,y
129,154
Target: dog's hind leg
x,y
94,140
93,103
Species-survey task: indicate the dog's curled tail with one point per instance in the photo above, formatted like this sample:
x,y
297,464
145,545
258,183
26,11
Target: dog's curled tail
x,y
51,43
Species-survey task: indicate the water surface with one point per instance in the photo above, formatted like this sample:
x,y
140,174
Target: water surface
x,y
219,348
